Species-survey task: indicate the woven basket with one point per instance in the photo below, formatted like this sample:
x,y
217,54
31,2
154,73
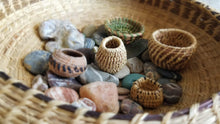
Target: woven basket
x,y
20,19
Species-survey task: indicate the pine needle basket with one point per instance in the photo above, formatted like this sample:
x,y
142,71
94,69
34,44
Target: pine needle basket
x,y
19,20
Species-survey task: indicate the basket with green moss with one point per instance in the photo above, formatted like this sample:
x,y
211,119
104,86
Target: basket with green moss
x,y
128,30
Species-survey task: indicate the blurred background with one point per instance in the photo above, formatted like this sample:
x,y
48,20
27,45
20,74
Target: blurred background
x,y
215,4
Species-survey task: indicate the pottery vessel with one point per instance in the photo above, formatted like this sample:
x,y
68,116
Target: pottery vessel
x,y
67,63
147,92
171,48
111,55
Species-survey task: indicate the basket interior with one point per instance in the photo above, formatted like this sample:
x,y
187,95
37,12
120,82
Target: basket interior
x,y
19,37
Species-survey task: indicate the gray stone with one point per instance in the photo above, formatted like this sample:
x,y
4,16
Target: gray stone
x,y
89,30
57,81
52,46
39,83
89,54
92,75
145,56
128,106
123,72
99,35
135,65
136,48
169,74
89,43
165,81
150,71
48,29
172,93
37,61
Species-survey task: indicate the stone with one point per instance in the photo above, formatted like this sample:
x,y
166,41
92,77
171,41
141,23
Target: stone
x,y
135,48
89,43
37,61
100,34
128,106
165,81
85,103
89,30
145,56
150,71
123,91
127,82
172,93
122,97
52,46
123,72
89,54
57,81
63,32
39,83
104,94
95,49
48,29
135,65
169,74
62,94
92,75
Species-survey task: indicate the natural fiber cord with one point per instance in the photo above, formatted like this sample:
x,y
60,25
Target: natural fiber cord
x,y
19,20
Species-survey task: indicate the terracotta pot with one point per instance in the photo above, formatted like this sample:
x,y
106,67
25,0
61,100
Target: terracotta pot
x,y
67,63
171,48
111,55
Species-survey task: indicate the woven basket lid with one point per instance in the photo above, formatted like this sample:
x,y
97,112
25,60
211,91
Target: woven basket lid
x,y
19,20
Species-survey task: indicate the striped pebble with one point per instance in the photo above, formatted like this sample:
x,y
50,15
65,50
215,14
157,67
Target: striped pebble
x,y
62,94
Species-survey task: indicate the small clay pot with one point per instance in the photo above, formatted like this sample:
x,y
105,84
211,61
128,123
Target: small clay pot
x,y
67,63
111,55
147,92
171,48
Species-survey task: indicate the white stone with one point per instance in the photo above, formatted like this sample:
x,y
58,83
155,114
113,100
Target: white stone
x,y
39,83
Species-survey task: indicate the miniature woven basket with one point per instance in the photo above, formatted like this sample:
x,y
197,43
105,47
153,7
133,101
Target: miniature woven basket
x,y
19,20
171,48
147,92
127,29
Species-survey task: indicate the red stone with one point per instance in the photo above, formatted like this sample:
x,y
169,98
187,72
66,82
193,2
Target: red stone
x,y
62,94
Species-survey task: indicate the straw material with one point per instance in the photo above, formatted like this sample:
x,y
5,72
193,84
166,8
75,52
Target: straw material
x,y
20,19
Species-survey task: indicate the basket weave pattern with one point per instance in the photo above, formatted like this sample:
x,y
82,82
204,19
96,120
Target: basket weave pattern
x,y
19,21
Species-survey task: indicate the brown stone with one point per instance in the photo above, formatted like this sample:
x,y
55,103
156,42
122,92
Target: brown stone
x,y
123,91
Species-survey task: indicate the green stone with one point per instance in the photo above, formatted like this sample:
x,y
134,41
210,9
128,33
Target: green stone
x,y
129,79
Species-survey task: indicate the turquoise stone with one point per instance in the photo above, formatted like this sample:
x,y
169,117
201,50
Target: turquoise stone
x,y
129,79
37,61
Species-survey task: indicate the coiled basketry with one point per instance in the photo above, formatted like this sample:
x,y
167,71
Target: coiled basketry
x,y
20,19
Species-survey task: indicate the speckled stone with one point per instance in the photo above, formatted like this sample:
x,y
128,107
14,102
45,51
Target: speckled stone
x,y
52,46
57,81
136,48
150,71
104,94
123,72
165,81
135,65
89,54
85,103
62,94
145,56
39,83
37,61
123,91
172,93
128,106
129,79
92,75
169,74
89,43
99,35
89,30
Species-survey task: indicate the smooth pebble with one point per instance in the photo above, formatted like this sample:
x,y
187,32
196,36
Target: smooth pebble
x,y
127,82
123,91
89,43
89,30
135,65
169,74
88,53
123,72
39,83
85,103
135,48
172,93
129,106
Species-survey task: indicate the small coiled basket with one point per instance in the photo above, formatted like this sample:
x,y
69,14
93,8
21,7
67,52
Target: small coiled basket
x,y
19,20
